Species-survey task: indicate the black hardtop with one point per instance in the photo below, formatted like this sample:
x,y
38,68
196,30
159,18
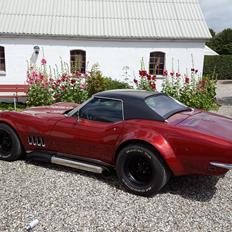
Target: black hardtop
x,y
133,103
126,94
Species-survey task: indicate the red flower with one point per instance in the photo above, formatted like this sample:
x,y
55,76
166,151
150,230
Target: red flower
x,y
73,81
177,74
192,69
172,74
135,81
43,61
187,80
142,73
62,88
153,78
78,74
149,77
153,86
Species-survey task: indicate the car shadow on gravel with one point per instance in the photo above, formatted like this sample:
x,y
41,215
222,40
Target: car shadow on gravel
x,y
195,188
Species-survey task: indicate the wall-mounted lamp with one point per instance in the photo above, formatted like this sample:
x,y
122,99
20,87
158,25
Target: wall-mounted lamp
x,y
36,50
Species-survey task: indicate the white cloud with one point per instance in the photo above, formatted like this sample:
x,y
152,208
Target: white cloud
x,y
218,14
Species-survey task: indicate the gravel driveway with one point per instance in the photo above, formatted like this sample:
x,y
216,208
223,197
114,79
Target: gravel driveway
x,y
66,200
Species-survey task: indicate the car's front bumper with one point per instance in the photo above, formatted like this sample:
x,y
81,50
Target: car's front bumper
x,y
221,165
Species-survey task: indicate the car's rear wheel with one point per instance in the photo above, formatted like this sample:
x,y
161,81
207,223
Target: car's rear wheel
x,y
10,146
140,170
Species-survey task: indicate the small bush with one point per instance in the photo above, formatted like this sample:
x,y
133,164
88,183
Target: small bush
x,y
218,66
97,82
115,84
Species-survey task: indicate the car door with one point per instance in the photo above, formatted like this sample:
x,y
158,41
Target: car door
x,y
93,131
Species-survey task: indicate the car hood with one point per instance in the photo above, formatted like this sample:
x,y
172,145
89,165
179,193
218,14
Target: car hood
x,y
204,122
57,108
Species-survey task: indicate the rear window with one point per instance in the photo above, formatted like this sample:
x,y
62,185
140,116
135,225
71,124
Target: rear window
x,y
164,105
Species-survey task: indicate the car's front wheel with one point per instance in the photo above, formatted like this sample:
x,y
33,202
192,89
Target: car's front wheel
x,y
140,170
10,146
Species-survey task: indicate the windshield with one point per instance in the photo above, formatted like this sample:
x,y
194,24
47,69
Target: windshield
x,y
165,106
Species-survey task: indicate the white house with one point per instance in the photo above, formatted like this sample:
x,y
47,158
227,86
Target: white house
x,y
115,34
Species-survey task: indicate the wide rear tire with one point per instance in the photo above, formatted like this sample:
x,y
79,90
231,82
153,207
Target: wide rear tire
x,y
140,170
10,146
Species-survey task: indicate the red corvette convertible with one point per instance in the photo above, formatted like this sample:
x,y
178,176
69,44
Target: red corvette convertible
x,y
145,136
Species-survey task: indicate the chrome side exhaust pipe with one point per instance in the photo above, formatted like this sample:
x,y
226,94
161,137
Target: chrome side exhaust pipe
x,y
77,165
49,158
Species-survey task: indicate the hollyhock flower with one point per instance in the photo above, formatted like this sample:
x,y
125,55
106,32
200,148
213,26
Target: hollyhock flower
x,y
142,73
135,81
153,78
186,80
63,88
196,71
82,86
148,77
153,86
78,74
73,81
165,73
177,74
43,61
192,69
172,74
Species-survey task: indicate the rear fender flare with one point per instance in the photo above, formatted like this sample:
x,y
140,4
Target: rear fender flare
x,y
159,143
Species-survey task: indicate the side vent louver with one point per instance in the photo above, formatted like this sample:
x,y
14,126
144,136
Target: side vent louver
x,y
36,141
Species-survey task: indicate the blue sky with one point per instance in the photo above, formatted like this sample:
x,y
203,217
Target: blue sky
x,y
218,13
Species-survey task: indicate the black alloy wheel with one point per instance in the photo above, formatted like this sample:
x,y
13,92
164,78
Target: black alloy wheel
x,y
140,170
10,146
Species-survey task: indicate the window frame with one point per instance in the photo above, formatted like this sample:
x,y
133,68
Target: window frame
x,y
154,55
77,111
83,62
3,71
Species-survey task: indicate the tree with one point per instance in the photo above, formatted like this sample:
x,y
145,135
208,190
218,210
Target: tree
x,y
222,42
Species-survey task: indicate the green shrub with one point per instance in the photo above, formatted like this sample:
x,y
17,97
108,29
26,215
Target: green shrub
x,y
115,84
38,95
95,82
218,67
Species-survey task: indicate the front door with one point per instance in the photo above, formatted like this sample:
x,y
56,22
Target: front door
x,y
92,132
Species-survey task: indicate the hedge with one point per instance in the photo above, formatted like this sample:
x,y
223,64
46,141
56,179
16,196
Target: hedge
x,y
219,67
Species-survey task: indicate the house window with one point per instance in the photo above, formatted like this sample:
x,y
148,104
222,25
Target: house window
x,y
78,60
157,63
2,59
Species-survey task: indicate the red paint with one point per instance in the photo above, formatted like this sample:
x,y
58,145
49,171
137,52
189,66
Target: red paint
x,y
187,142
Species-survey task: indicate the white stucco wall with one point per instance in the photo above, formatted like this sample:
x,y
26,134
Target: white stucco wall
x,y
112,56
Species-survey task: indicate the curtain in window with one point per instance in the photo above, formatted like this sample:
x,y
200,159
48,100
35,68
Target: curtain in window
x,y
157,63
78,60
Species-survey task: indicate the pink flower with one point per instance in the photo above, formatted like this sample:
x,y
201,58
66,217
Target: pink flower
x,y
43,61
165,73
82,86
172,74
